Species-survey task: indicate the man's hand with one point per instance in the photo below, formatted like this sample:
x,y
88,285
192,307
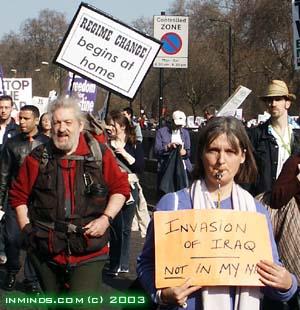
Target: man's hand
x,y
97,228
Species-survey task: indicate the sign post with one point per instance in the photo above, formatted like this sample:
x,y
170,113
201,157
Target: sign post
x,y
172,31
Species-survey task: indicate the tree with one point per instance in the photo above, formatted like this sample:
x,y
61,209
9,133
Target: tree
x,y
38,41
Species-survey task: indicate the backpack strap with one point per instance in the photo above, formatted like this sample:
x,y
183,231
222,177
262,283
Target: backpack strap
x,y
94,146
42,153
176,200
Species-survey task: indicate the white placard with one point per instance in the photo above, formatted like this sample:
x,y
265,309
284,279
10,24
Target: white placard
x,y
173,32
41,103
20,90
107,51
239,114
296,32
234,101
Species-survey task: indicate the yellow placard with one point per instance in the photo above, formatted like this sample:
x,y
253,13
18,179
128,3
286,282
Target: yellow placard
x,y
212,247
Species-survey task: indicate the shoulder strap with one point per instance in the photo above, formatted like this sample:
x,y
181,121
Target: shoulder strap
x,y
42,153
176,200
97,148
123,166
94,146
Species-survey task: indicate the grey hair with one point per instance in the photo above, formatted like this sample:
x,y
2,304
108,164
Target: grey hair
x,y
66,103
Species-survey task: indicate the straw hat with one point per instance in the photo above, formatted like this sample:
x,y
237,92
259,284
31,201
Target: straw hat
x,y
278,88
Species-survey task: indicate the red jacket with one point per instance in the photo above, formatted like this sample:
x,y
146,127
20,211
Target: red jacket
x,y
116,181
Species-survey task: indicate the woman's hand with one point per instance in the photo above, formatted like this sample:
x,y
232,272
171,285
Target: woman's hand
x,y
120,150
274,275
171,146
178,295
182,152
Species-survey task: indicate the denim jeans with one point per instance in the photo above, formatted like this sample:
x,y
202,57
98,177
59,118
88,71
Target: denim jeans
x,y
13,241
13,247
121,234
2,240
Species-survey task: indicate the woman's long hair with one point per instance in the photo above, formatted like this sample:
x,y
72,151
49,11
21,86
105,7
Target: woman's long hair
x,y
116,116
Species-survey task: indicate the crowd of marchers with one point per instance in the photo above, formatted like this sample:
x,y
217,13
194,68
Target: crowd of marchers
x,y
71,195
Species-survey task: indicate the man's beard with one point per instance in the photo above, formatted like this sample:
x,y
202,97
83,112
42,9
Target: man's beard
x,y
65,146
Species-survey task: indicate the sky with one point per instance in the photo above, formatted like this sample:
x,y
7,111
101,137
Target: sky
x,y
15,12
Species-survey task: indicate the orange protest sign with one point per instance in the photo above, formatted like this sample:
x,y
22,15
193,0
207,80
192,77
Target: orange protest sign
x,y
212,247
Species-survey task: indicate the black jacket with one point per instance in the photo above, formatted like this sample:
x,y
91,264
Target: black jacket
x,y
12,156
11,130
173,175
266,156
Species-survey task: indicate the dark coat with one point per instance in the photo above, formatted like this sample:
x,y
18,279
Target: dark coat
x,y
12,157
266,156
163,137
11,130
173,175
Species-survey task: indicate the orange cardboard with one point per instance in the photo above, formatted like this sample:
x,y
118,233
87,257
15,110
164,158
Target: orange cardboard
x,y
212,247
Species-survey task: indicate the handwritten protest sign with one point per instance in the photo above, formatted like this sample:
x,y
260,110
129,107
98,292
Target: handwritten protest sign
x,y
107,51
212,247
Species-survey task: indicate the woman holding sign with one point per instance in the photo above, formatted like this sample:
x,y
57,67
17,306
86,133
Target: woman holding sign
x,y
225,159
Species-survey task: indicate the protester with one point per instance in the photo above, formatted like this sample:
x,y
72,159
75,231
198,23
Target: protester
x,y
224,160
141,217
12,157
66,196
128,112
130,156
275,140
285,199
8,129
45,124
8,126
167,140
143,121
209,111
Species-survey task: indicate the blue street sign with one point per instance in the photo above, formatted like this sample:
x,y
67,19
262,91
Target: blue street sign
x,y
172,43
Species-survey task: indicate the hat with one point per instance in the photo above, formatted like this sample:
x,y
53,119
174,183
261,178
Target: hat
x,y
179,118
278,88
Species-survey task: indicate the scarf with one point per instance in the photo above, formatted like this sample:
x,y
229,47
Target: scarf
x,y
218,297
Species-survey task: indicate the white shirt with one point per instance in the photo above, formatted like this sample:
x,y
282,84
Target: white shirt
x,y
284,146
2,132
176,137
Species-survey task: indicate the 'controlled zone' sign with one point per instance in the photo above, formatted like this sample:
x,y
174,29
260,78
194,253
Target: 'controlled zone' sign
x,y
172,31
107,51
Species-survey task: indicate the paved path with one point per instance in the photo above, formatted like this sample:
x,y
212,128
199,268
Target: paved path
x,y
111,287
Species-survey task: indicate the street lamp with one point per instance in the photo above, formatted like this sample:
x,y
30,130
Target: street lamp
x,y
14,71
229,50
44,63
